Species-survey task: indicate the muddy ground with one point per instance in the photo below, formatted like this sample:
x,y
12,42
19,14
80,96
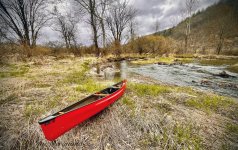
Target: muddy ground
x,y
149,116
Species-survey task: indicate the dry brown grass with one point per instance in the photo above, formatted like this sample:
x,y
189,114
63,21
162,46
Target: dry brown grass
x,y
138,120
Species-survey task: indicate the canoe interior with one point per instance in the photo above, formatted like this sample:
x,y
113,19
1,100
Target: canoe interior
x,y
90,99
85,101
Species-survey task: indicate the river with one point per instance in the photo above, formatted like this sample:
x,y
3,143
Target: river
x,y
195,74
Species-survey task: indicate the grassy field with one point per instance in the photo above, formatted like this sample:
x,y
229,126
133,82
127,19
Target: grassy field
x,y
149,115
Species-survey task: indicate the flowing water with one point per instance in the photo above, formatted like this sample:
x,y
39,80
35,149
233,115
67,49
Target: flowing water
x,y
195,75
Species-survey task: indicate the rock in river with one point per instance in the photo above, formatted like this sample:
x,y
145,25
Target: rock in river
x,y
223,74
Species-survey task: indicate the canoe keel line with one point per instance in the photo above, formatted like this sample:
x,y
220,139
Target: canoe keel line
x,y
57,124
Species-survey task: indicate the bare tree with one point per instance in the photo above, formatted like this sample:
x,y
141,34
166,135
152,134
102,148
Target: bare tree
x,y
174,20
66,25
3,31
187,12
133,26
220,43
119,16
223,24
24,18
90,6
156,25
102,8
132,29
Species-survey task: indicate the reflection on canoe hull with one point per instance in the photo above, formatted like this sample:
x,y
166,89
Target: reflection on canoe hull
x,y
57,124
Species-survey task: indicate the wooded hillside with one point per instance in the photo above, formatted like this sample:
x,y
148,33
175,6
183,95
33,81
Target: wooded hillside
x,y
213,30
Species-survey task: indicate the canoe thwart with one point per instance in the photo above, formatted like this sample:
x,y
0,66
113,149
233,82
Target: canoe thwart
x,y
115,87
101,94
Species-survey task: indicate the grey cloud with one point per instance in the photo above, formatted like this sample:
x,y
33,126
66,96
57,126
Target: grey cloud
x,y
163,10
148,12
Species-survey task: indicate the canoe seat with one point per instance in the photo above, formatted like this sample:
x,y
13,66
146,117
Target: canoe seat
x,y
61,112
101,94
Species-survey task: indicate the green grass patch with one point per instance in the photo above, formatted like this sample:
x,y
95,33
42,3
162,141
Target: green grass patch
x,y
150,140
126,100
55,101
210,103
232,128
187,90
90,86
166,59
185,56
42,85
184,136
233,68
145,61
78,76
218,62
232,133
164,108
187,136
33,110
10,98
185,60
148,89
154,60
15,71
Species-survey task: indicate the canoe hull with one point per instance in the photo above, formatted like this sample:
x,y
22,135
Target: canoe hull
x,y
63,123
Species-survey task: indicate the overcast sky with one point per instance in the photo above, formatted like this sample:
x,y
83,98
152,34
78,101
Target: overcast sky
x,y
167,12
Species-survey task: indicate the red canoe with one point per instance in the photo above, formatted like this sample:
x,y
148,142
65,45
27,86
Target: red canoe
x,y
57,124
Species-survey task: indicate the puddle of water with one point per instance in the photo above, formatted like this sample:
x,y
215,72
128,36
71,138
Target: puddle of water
x,y
117,70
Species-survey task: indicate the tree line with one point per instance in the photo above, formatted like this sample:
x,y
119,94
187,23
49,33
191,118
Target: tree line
x,y
22,21
112,24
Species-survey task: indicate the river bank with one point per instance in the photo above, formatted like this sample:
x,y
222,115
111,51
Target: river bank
x,y
150,114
